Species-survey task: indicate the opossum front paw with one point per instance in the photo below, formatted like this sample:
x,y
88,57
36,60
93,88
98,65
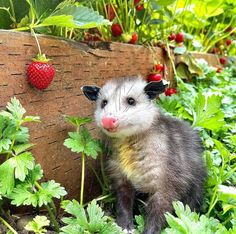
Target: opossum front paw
x,y
128,231
125,223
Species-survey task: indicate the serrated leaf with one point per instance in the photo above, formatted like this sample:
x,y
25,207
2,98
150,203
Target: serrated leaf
x,y
21,148
22,164
37,224
75,17
95,223
5,144
92,148
77,121
53,189
207,113
22,196
23,135
96,216
75,142
7,180
15,108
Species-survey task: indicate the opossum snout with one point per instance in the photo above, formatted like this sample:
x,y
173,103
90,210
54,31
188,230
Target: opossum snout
x,y
109,123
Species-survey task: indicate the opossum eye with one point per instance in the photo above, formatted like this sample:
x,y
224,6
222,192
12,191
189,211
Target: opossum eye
x,y
131,101
103,104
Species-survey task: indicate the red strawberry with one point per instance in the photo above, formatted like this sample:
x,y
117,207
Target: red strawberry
x,y
159,67
223,60
110,11
138,6
40,73
116,30
134,38
170,91
228,42
171,37
154,77
179,37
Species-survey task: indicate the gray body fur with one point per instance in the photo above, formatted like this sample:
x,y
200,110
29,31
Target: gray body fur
x,y
164,155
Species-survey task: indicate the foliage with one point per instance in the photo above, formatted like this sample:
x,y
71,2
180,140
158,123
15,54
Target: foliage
x,y
193,223
208,103
49,17
19,172
82,142
91,220
207,26
38,224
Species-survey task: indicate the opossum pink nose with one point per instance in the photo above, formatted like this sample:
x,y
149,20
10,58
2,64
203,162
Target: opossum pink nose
x,y
109,122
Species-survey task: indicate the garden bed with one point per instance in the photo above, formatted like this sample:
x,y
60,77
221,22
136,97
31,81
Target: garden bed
x,y
76,64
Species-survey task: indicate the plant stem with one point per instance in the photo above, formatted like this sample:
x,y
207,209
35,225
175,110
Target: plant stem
x,y
82,178
53,219
96,175
50,212
8,225
13,142
213,201
39,48
12,10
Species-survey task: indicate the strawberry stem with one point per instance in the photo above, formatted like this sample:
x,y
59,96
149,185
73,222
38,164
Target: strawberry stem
x,y
39,48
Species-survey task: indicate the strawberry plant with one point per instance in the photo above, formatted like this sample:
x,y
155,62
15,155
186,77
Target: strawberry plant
x,y
38,224
91,220
208,103
82,142
20,175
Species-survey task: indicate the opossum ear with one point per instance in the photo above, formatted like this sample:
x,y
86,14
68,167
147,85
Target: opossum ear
x,y
152,89
91,92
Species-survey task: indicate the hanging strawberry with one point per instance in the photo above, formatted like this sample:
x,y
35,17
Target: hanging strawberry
x,y
40,73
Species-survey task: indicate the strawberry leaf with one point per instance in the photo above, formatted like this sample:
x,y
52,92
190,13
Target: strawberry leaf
x,y
207,113
53,189
75,142
37,224
91,220
74,16
7,180
77,121
21,148
22,164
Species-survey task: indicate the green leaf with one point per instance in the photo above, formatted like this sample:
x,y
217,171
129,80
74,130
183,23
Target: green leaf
x,y
77,121
22,164
90,221
21,195
75,142
37,224
21,148
165,2
207,113
53,189
7,180
30,118
16,109
5,144
92,148
74,16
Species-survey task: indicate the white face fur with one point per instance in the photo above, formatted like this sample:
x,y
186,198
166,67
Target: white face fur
x,y
132,119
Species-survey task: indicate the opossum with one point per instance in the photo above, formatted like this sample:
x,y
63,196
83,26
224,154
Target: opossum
x,y
151,153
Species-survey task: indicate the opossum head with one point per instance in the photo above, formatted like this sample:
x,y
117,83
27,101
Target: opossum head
x,y
125,106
